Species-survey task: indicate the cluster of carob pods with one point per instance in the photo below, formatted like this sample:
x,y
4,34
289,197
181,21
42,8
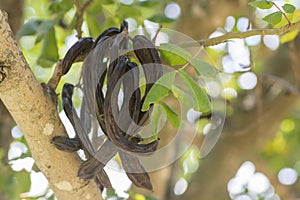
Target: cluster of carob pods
x,y
105,61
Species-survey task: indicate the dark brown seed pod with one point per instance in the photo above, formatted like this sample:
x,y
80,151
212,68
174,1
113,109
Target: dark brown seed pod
x,y
81,135
108,32
93,67
114,133
66,144
148,56
135,171
77,53
129,112
99,96
124,25
95,164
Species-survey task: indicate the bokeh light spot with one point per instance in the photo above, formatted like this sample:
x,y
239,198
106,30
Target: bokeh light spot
x,y
16,132
271,41
172,10
287,176
259,183
126,2
247,81
253,40
287,125
180,186
242,24
229,23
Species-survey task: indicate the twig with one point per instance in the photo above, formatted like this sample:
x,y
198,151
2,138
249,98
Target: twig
x,y
80,12
56,76
241,35
287,19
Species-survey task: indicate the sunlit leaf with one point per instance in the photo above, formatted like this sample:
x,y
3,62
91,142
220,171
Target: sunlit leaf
x,y
148,3
289,36
174,54
158,118
172,115
49,54
30,28
160,90
288,8
109,9
123,11
202,103
160,18
203,68
182,96
273,18
262,4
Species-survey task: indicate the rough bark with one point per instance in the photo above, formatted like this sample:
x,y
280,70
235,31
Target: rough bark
x,y
6,121
37,116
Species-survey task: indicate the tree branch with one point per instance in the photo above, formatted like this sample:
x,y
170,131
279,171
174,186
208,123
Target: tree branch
x,y
241,35
80,12
37,116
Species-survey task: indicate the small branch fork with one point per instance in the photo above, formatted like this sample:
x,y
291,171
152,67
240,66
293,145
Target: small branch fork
x,y
80,12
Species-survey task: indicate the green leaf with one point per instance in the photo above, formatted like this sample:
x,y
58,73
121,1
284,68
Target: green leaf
x,y
289,36
158,118
59,7
203,68
173,116
288,8
262,4
273,18
174,54
201,101
148,3
182,97
43,29
160,90
30,28
49,54
125,10
160,18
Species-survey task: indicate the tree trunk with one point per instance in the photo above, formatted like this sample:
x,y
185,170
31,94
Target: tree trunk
x,y
6,121
37,116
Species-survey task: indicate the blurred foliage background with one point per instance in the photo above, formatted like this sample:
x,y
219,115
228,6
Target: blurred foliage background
x,y
258,154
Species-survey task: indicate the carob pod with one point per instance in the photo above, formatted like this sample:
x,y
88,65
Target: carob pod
x,y
91,167
114,133
129,111
112,31
135,170
148,56
108,32
67,144
78,51
80,133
